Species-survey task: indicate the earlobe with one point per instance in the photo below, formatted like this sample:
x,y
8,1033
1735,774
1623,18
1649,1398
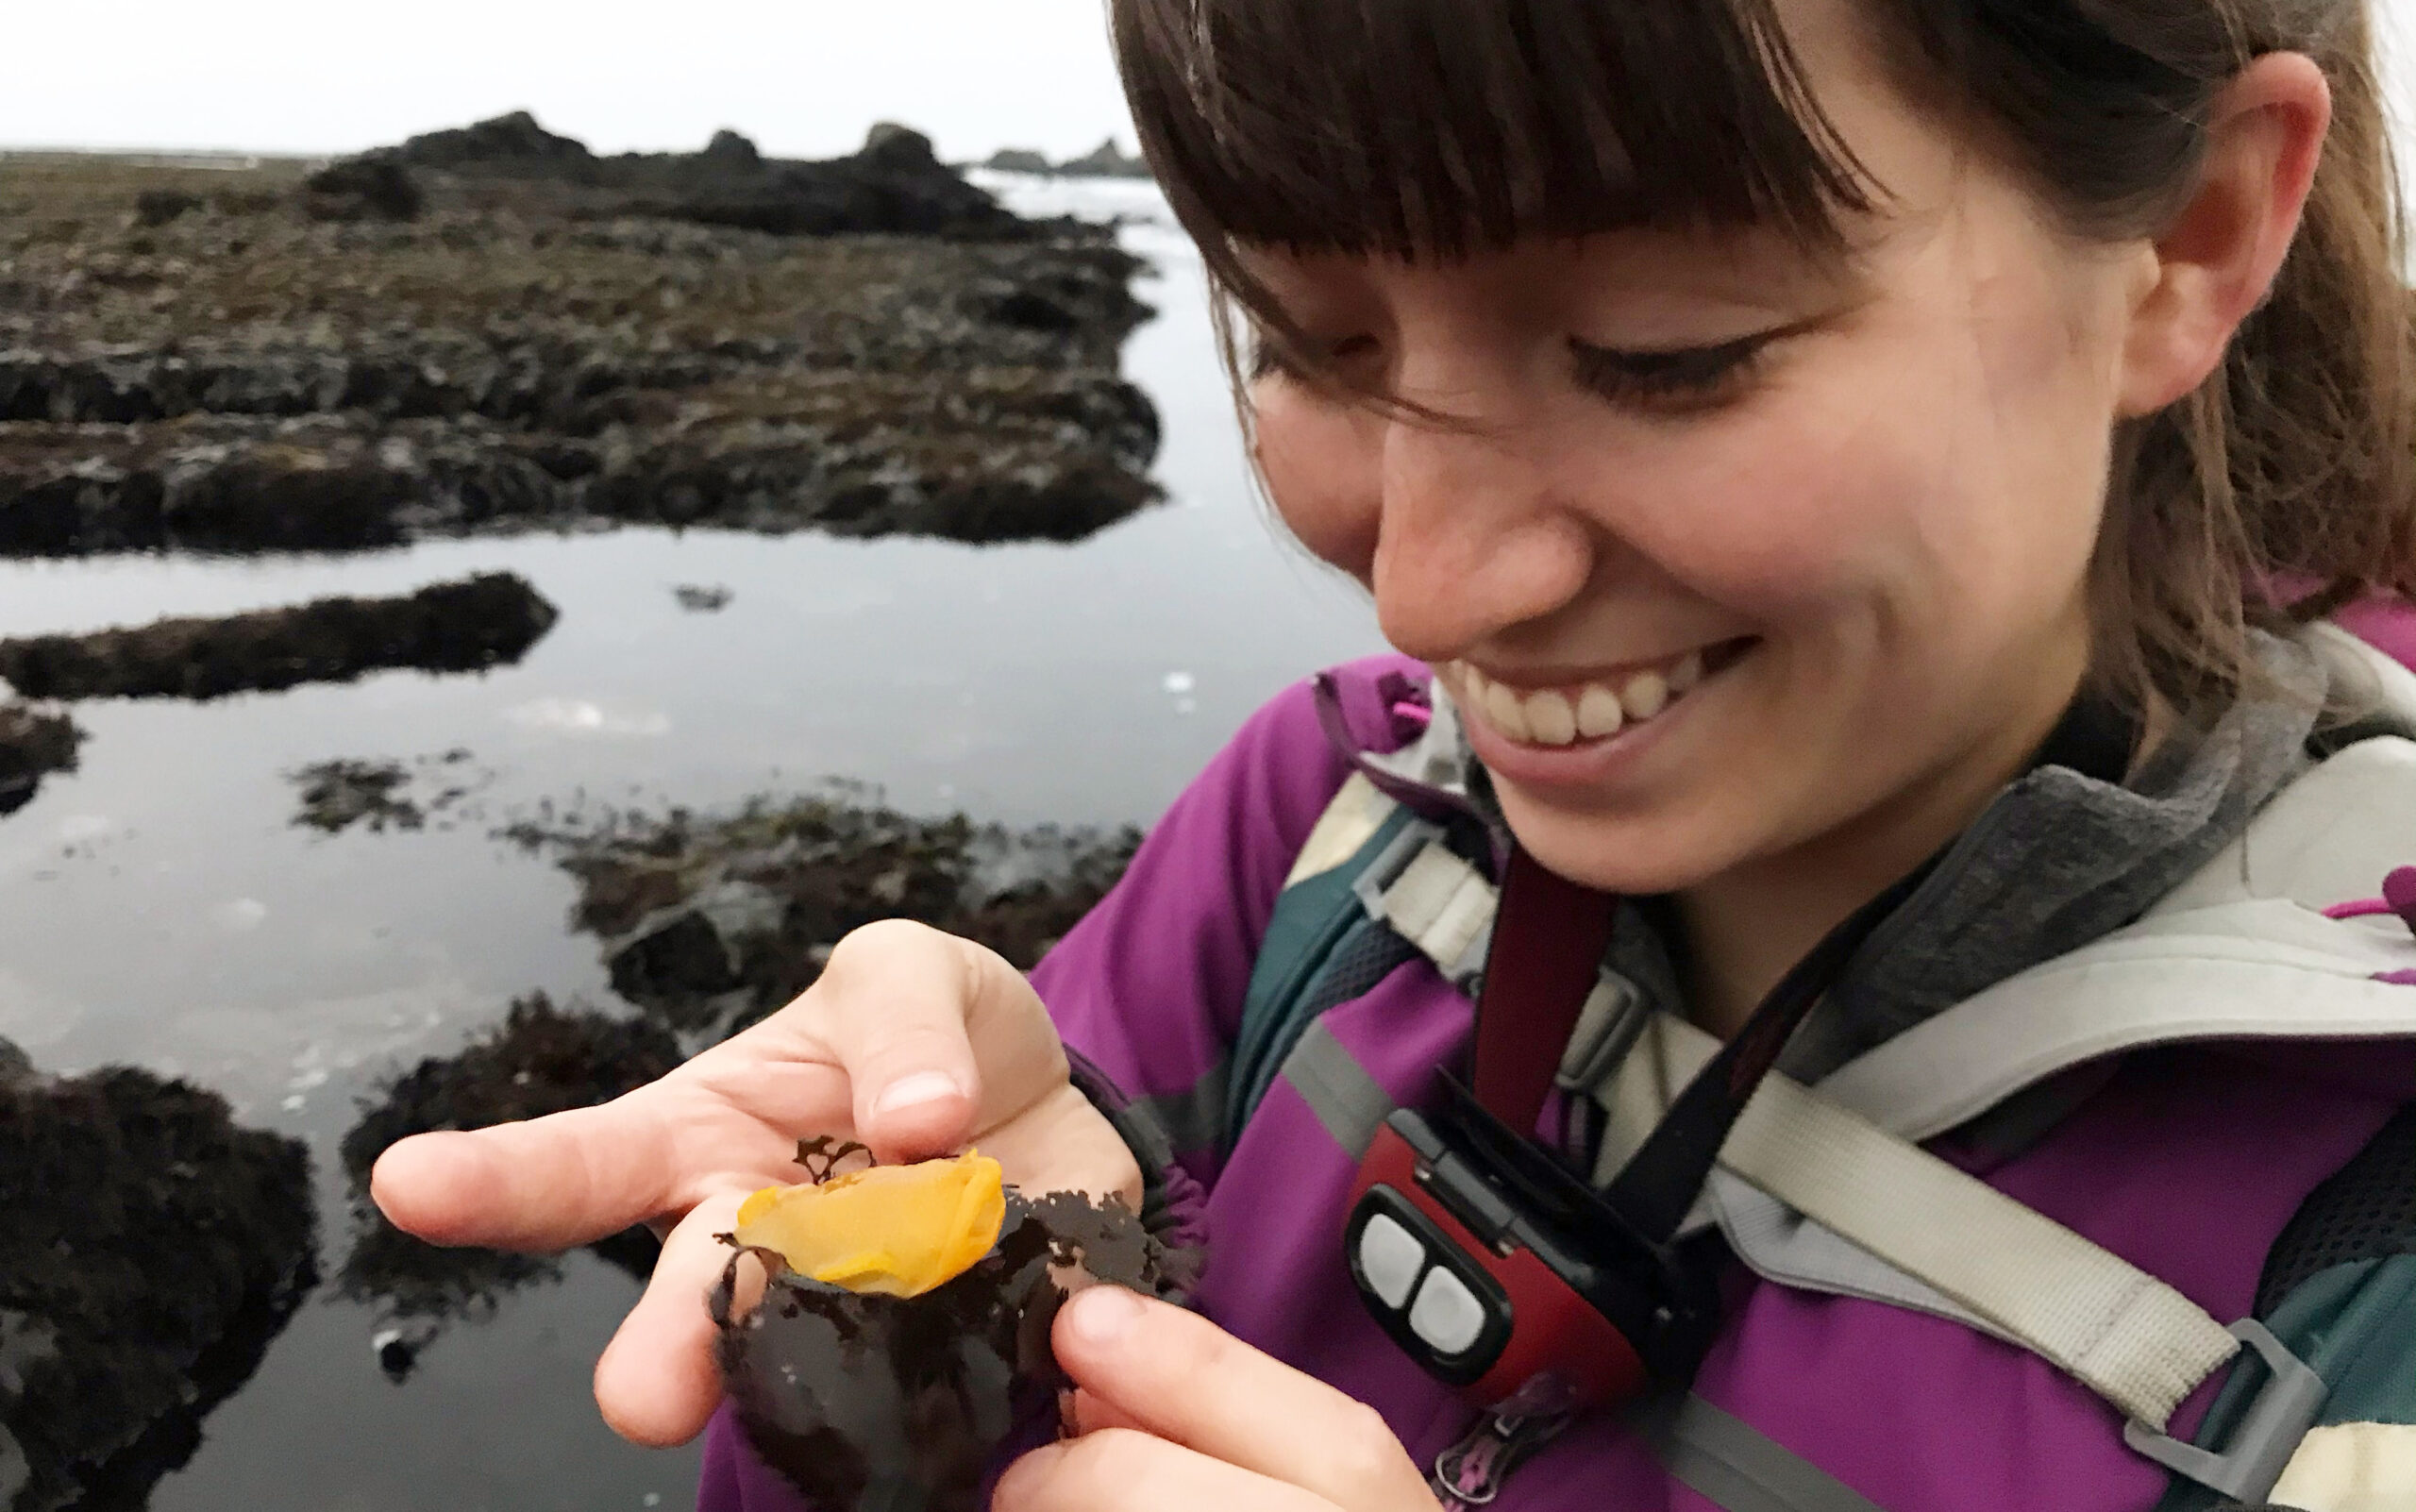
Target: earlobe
x,y
2217,258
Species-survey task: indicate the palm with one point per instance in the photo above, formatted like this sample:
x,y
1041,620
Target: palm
x,y
897,1005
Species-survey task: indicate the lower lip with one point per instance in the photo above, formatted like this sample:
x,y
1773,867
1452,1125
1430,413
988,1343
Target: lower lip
x,y
1586,763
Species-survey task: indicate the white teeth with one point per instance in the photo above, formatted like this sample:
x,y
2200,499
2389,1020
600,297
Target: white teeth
x,y
1686,673
1505,711
1599,713
1645,695
1551,720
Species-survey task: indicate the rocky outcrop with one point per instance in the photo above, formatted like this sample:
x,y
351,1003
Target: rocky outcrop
x,y
34,743
542,1059
1106,161
496,329
710,922
468,626
153,1248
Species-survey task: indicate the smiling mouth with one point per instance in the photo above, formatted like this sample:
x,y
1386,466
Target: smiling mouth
x,y
1595,710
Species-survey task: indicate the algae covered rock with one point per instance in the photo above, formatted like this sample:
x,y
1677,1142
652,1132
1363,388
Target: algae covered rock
x,y
888,1388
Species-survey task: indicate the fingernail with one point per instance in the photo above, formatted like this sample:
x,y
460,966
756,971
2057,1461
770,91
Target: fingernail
x,y
915,1090
1104,1313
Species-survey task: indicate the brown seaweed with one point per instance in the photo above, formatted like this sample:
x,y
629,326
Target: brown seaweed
x,y
877,1403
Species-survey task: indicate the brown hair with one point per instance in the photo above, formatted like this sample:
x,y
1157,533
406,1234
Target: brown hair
x,y
1430,128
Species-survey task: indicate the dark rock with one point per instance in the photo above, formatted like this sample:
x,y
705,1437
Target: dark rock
x,y
362,189
541,1060
891,145
702,598
34,743
710,922
467,626
729,147
513,141
153,1249
1020,160
558,341
157,206
1106,161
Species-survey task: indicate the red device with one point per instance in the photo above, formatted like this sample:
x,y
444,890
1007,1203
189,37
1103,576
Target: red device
x,y
1485,1256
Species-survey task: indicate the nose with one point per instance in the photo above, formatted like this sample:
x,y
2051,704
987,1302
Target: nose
x,y
1474,538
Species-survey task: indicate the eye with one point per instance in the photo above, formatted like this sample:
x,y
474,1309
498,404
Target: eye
x,y
1268,359
1671,378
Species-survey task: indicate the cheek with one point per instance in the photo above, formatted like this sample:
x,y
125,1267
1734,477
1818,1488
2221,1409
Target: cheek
x,y
1323,472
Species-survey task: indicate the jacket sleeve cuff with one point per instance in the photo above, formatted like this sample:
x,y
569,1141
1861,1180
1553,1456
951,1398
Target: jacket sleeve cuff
x,y
1174,1207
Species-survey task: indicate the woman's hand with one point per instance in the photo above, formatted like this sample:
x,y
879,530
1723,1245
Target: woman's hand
x,y
915,1042
1178,1416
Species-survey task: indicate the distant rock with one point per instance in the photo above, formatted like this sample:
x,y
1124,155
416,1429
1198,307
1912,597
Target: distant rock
x,y
557,341
507,140
362,189
34,743
729,147
1106,161
153,1249
467,626
1020,160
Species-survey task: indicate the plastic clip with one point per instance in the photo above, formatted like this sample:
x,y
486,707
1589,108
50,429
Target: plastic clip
x,y
2247,1469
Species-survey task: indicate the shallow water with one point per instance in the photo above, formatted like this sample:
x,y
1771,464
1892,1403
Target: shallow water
x,y
159,907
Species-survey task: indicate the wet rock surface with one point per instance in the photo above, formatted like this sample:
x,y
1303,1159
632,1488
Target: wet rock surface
x,y
493,329
542,1059
708,923
153,1249
467,626
34,743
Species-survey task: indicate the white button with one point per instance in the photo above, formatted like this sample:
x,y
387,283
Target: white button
x,y
1390,1257
1448,1316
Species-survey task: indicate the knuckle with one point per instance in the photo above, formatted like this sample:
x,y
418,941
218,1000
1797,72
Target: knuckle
x,y
1101,1468
868,945
1364,1450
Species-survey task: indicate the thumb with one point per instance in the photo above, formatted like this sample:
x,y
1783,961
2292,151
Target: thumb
x,y
1176,1375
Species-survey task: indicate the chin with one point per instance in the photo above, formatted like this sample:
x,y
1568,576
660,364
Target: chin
x,y
1635,854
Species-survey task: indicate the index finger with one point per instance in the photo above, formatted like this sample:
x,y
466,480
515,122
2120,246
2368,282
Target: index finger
x,y
572,1178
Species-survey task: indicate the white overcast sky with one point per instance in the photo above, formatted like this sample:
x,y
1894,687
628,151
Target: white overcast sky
x,y
805,77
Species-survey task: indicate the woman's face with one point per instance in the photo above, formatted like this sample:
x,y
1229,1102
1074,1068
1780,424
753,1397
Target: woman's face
x,y
1738,553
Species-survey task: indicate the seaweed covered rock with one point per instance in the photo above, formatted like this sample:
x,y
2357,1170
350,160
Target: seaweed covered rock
x,y
709,921
540,1060
872,1393
893,185
153,1248
34,743
468,626
498,331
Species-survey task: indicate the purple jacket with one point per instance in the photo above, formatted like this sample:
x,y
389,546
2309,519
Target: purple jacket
x,y
2187,1165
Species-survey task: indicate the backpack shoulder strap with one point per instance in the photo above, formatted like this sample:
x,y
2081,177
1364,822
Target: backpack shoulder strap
x,y
1374,887
2340,1293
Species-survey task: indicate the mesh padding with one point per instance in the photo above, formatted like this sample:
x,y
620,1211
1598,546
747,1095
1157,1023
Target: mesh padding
x,y
1370,954
2367,1211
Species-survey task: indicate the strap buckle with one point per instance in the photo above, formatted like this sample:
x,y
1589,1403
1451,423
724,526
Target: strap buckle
x,y
2248,1468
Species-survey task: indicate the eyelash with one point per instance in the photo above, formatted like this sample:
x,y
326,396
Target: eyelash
x,y
1676,380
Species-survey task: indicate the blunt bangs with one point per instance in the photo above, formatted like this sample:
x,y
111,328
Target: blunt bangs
x,y
1434,130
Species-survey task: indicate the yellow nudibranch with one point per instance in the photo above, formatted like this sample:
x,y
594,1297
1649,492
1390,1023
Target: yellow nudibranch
x,y
896,1230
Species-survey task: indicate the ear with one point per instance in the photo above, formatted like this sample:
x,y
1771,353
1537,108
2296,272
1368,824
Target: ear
x,y
2216,261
